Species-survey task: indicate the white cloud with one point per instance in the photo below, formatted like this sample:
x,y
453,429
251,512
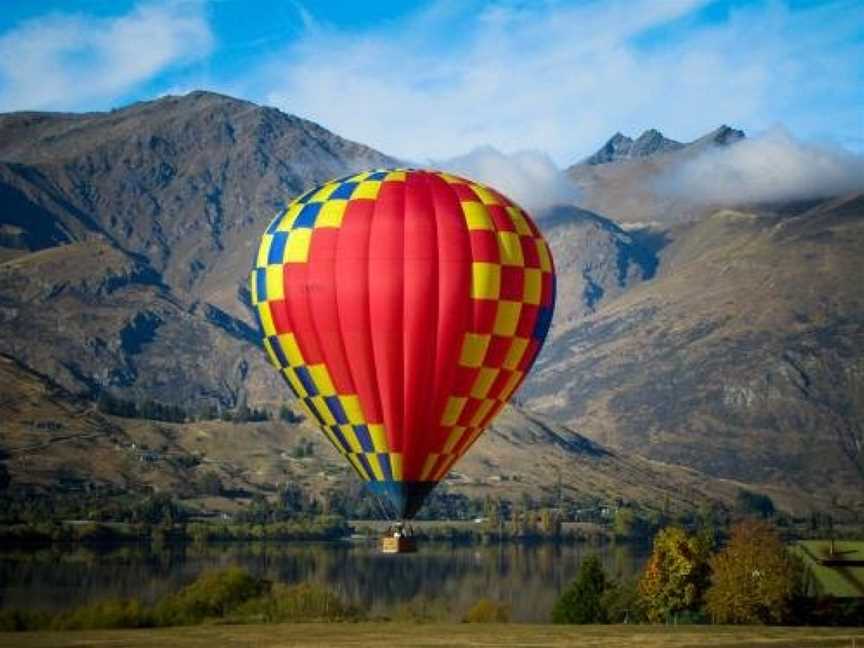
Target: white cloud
x,y
530,178
775,166
562,78
67,60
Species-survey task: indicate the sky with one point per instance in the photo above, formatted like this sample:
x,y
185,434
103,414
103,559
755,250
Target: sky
x,y
437,80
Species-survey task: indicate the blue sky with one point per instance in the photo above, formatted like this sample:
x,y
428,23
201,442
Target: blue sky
x,y
434,80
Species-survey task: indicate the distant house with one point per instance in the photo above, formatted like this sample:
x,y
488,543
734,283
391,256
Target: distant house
x,y
836,568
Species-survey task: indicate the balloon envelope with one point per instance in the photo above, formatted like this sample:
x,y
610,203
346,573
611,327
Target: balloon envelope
x,y
403,307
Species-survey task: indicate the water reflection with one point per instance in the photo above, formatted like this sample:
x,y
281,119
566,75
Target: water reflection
x,y
441,579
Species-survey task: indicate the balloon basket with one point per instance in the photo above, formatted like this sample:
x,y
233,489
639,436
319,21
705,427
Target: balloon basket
x,y
392,545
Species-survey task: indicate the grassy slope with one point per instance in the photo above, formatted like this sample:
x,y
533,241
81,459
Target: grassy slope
x,y
417,635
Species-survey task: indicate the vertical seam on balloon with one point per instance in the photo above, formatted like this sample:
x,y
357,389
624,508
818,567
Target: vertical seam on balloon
x,y
430,419
375,367
341,336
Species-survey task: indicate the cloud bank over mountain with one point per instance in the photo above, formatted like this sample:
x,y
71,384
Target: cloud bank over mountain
x,y
531,178
773,167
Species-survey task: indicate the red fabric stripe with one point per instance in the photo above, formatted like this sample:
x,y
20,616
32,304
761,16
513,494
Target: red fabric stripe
x,y
386,250
420,317
454,296
325,313
296,297
351,275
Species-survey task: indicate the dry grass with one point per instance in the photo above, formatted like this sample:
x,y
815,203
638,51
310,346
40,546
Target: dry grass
x,y
378,634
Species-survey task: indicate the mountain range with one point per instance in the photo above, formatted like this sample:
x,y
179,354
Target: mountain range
x,y
696,349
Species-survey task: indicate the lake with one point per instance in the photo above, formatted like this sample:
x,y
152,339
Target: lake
x,y
442,580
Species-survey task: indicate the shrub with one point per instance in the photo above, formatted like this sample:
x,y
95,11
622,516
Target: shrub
x,y
213,594
488,611
111,613
582,602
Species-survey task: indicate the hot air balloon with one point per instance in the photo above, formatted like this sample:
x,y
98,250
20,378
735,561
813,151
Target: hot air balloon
x,y
403,308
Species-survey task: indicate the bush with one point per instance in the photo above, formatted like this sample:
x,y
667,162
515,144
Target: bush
x,y
214,594
488,611
582,602
111,613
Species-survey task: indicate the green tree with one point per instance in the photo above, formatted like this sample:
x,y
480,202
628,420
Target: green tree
x,y
750,503
754,579
675,577
582,602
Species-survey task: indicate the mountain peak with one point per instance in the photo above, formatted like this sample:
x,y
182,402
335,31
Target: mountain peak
x,y
621,147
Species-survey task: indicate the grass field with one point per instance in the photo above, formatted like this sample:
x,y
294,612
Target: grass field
x,y
358,635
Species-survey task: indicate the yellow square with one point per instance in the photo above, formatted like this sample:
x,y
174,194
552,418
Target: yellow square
x,y
482,411
510,385
268,347
477,216
351,406
474,349
507,317
287,221
396,465
359,177
375,462
324,192
483,383
331,213
297,385
510,249
253,287
366,189
485,195
323,410
485,280
532,286
290,349
515,352
519,221
455,405
264,251
358,466
266,319
395,176
379,437
455,434
449,178
273,282
351,438
297,247
321,378
543,253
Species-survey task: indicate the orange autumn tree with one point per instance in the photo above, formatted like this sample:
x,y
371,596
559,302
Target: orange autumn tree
x,y
754,579
675,576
